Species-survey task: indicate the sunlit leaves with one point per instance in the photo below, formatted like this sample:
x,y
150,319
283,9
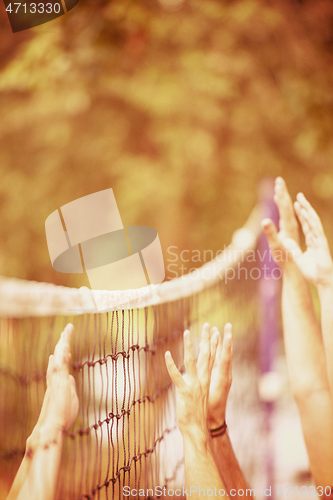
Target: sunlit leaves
x,y
180,111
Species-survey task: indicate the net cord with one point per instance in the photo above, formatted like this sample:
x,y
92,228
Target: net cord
x,y
22,298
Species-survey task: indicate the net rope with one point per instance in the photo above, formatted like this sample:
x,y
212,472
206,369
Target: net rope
x,y
126,436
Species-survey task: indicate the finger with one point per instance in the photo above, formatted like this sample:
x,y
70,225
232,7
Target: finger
x,y
227,340
304,203
203,363
174,373
308,213
67,333
73,388
271,233
219,350
72,382
310,230
283,200
228,329
189,358
302,216
50,370
226,355
303,220
60,355
65,338
314,227
44,409
288,221
204,344
298,211
288,249
62,349
274,241
214,342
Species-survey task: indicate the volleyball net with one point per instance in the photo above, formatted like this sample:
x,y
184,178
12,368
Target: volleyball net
x,y
125,437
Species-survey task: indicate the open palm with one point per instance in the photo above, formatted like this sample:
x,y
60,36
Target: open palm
x,y
316,262
221,378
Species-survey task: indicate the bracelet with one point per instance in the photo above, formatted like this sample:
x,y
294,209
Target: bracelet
x,y
219,431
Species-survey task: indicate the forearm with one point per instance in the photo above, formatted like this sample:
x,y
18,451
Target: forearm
x,y
228,465
302,336
22,473
201,472
316,414
325,293
307,368
41,480
20,478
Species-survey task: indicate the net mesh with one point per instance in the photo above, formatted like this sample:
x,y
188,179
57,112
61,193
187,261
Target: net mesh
x,y
126,433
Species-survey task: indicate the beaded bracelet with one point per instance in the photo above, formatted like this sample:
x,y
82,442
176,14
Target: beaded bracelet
x,y
219,431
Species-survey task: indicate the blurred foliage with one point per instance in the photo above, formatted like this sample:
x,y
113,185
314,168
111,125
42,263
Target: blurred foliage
x,y
180,106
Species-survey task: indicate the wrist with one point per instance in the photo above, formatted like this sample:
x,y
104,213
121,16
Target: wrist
x,y
32,443
50,433
326,285
198,447
195,435
219,431
290,269
215,421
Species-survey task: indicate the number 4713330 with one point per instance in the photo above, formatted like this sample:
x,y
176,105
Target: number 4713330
x,y
33,8
305,491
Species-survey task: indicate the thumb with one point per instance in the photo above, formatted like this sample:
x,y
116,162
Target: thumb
x,y
279,251
292,248
284,251
270,231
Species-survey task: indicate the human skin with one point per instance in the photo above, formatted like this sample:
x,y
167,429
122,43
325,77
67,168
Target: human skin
x,y
201,471
38,473
307,355
220,383
202,396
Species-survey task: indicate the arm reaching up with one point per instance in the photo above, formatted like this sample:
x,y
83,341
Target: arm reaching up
x,y
201,472
316,262
220,384
302,336
317,267
303,342
37,476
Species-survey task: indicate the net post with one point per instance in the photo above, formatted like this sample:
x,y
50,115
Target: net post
x,y
269,287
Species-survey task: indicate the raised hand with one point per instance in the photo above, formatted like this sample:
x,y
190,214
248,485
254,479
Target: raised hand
x,y
60,404
63,403
201,470
193,387
316,262
38,472
285,243
221,377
